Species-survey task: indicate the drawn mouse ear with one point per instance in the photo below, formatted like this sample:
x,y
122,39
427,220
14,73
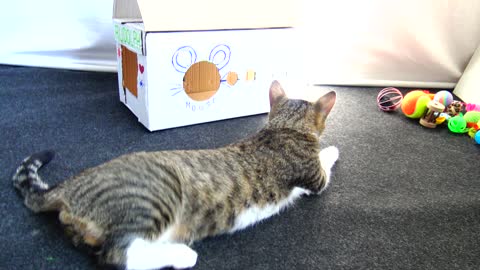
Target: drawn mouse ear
x,y
220,56
183,58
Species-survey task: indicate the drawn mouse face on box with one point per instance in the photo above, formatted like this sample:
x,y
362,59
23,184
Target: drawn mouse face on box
x,y
202,79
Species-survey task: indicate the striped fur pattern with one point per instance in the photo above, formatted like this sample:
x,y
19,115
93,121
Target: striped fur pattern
x,y
144,209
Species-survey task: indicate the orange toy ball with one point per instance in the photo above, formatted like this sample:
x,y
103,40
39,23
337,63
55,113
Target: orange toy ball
x,y
414,103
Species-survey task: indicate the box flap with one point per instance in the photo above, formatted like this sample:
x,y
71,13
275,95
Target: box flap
x,y
126,10
185,15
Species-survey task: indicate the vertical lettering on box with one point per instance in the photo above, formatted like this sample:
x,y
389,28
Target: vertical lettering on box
x,y
130,70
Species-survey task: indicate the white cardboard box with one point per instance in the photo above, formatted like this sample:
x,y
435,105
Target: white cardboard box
x,y
174,75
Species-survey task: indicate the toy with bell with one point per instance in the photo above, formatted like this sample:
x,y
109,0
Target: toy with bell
x,y
434,109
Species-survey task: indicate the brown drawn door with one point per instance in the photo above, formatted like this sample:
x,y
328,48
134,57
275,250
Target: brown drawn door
x,y
130,70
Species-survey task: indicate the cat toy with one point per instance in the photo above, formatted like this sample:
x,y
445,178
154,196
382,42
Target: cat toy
x,y
473,123
472,118
477,137
389,99
444,97
434,109
457,124
465,123
472,107
454,108
414,104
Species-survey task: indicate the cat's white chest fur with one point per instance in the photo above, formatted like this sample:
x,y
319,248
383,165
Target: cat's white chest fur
x,y
256,213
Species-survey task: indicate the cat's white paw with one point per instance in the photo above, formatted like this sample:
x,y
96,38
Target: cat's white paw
x,y
328,157
187,258
143,254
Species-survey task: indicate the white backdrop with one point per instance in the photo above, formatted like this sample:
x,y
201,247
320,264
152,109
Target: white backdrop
x,y
390,42
413,43
68,34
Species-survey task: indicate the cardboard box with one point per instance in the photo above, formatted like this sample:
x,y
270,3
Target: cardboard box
x,y
189,62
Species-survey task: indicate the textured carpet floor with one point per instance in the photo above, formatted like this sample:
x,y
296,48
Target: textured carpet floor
x,y
402,196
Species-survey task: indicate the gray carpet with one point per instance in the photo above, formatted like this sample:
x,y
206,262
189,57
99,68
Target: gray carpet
x,y
402,196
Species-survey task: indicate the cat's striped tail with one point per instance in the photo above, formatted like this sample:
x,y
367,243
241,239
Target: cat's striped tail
x,y
29,183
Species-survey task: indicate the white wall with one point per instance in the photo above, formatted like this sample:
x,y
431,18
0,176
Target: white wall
x,y
413,43
390,42
468,87
69,34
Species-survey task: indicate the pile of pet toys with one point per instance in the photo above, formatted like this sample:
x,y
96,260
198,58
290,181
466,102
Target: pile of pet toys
x,y
433,109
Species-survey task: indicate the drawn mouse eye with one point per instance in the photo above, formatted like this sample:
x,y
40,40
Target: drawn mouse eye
x,y
220,56
183,58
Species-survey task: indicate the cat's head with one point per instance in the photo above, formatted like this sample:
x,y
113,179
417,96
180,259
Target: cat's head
x,y
299,114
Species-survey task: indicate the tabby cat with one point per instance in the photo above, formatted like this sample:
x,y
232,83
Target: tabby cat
x,y
143,210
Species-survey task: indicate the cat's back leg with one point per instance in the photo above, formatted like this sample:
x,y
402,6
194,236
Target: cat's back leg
x,y
144,254
139,253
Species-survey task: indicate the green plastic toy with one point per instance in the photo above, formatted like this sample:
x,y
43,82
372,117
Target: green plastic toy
x,y
457,124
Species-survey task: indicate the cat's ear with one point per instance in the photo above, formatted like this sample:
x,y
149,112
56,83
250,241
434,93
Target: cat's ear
x,y
324,104
276,93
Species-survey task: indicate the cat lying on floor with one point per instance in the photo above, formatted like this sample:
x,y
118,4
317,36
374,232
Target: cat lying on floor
x,y
143,210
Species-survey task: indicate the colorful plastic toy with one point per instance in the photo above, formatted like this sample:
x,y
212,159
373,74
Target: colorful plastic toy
x,y
472,107
472,117
457,124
